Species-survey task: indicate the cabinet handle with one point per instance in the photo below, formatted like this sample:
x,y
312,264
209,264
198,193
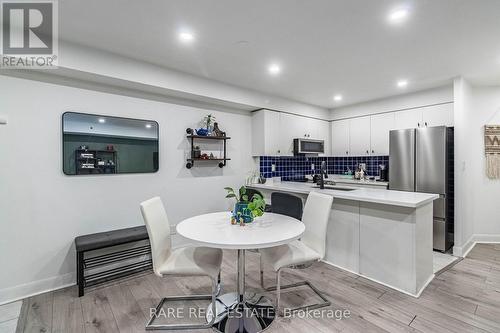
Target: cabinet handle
x,y
425,124
373,151
279,151
347,153
418,124
367,152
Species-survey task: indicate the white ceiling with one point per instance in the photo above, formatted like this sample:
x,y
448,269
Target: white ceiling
x,y
325,47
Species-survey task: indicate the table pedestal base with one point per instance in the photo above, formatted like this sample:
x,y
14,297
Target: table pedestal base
x,y
254,314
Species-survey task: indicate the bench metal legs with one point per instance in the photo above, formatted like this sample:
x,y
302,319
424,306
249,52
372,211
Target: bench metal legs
x,y
279,287
216,286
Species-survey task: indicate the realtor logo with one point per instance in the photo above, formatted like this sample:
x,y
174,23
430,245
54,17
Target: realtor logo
x,y
29,34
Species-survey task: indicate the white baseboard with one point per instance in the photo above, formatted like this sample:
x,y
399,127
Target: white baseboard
x,y
462,251
22,291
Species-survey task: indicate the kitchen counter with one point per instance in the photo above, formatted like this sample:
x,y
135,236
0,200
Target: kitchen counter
x,y
381,196
383,235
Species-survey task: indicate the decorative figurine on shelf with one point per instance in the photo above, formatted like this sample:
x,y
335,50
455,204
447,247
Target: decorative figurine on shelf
x,y
246,208
211,156
206,125
217,131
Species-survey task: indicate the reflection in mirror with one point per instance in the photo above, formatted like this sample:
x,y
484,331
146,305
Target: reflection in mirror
x,y
94,144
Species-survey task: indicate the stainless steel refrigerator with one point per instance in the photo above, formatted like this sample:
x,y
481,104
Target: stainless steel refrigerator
x,y
421,160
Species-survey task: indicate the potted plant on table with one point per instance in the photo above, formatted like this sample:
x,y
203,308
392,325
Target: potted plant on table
x,y
246,207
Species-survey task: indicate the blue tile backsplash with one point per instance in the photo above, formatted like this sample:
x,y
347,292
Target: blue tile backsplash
x,y
298,166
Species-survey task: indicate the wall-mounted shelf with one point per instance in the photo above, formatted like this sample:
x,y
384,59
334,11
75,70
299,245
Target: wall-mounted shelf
x,y
89,164
192,159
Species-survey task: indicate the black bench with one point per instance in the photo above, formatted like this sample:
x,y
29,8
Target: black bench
x,y
108,239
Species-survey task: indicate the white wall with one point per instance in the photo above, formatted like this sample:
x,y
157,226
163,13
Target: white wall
x,y
477,211
42,210
396,103
75,60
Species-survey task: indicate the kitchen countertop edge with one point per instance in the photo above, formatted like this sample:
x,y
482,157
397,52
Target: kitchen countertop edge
x,y
386,197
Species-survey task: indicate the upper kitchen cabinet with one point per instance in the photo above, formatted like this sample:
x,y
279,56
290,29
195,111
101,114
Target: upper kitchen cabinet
x,y
292,127
340,137
438,115
322,132
273,132
266,133
434,115
380,126
408,119
359,136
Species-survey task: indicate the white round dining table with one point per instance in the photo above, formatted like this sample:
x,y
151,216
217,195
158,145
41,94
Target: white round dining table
x,y
240,311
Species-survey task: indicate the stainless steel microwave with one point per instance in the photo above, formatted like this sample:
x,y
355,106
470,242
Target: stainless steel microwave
x,y
308,146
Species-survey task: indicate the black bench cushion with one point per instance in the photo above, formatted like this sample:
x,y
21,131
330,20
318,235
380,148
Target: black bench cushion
x,y
110,238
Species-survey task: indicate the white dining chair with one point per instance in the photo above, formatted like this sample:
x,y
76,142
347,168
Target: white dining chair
x,y
186,261
301,253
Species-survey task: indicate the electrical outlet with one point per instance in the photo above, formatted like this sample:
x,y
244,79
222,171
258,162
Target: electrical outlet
x,y
273,167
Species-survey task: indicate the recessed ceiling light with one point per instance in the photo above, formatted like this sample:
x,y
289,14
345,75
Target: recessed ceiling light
x,y
402,83
148,125
398,15
186,37
337,98
274,69
102,120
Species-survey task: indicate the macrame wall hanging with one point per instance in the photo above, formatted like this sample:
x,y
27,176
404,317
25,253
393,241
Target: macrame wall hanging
x,y
492,150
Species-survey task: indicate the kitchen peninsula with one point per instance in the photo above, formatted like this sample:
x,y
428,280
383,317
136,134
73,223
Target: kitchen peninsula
x,y
383,235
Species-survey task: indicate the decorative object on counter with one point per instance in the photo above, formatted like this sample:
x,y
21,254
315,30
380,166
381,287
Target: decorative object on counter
x,y
247,206
195,150
383,173
83,147
492,150
217,131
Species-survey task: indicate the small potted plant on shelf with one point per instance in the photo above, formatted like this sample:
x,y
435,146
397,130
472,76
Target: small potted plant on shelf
x,y
246,208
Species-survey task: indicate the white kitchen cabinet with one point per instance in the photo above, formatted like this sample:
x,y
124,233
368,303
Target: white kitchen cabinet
x,y
266,133
434,115
408,119
323,133
438,115
340,137
359,136
380,125
273,132
292,127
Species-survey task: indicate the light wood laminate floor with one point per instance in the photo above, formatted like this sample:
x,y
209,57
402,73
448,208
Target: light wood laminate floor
x,y
464,298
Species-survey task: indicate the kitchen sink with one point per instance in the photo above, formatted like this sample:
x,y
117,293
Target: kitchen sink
x,y
337,188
